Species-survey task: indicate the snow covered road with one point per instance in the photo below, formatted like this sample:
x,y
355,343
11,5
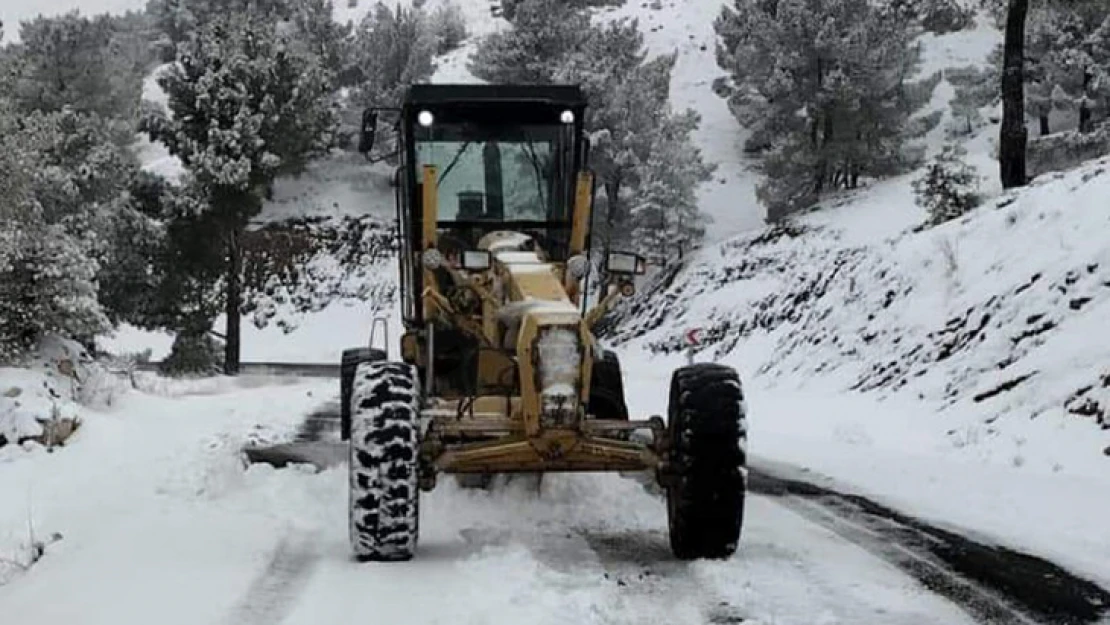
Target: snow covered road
x,y
162,524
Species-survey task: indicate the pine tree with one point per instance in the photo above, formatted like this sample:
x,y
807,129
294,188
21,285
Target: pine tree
x,y
180,20
392,50
629,108
629,119
544,33
449,27
827,85
975,88
948,188
63,196
92,65
323,37
63,61
248,104
666,220
1065,60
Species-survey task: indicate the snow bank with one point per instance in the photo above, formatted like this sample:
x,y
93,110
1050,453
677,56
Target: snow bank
x,y
142,462
42,401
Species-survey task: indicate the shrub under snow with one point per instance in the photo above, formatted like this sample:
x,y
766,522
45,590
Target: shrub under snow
x,y
41,400
949,188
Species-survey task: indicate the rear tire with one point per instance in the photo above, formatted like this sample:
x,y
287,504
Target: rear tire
x,y
352,358
707,424
384,462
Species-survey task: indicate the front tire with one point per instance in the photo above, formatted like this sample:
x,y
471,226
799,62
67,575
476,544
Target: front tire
x,y
384,462
707,424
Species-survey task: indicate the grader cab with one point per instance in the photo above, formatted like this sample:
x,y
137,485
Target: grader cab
x,y
499,370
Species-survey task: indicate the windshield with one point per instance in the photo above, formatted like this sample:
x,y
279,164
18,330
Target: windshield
x,y
509,174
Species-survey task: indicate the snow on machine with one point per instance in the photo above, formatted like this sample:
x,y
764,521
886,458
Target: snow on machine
x,y
498,370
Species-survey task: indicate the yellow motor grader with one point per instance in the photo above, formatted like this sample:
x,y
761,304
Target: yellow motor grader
x,y
499,371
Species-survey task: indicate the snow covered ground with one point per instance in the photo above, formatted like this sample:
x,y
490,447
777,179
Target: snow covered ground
x,y
898,452
159,522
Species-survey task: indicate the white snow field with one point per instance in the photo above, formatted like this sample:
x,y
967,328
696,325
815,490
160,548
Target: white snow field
x,y
161,523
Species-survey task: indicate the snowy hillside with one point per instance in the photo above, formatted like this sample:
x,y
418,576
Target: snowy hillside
x,y
994,313
959,373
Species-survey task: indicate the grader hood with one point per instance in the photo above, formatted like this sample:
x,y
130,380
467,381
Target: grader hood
x,y
554,347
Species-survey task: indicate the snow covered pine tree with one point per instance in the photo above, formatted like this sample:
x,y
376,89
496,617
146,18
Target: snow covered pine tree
x,y
249,102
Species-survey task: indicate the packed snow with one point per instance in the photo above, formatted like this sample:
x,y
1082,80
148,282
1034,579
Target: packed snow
x,y
152,503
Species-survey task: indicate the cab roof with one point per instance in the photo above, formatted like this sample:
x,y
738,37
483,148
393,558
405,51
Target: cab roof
x,y
567,96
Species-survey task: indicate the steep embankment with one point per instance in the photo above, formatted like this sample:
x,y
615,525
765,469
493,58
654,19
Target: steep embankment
x,y
958,374
1001,315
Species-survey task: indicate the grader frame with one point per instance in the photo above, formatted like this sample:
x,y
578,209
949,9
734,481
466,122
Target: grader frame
x,y
499,370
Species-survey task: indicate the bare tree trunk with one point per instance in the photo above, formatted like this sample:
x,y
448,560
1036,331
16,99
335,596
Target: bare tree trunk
x,y
234,299
1084,110
612,194
1013,136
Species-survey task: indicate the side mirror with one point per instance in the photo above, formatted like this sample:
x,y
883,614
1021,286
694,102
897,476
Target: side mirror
x,y
368,132
625,264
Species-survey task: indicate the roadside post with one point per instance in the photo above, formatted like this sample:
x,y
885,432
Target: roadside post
x,y
693,340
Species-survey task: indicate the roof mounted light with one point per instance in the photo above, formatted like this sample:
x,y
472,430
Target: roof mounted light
x,y
567,117
425,118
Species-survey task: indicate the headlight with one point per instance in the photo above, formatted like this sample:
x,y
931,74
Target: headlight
x,y
560,360
476,260
625,264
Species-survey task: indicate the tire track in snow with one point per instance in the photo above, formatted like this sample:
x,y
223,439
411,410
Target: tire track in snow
x,y
985,606
642,565
993,584
636,579
275,590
